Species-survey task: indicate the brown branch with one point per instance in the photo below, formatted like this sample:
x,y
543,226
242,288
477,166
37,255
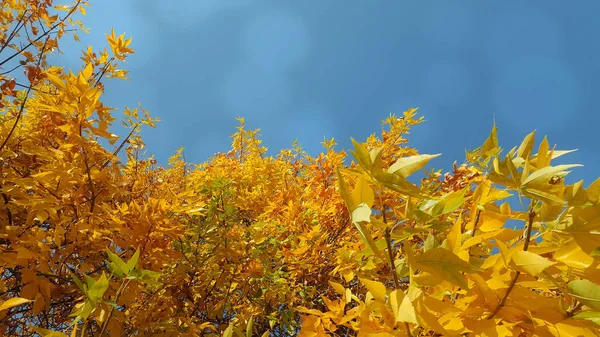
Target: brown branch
x,y
43,35
124,285
103,71
14,32
388,241
12,130
477,215
120,146
518,273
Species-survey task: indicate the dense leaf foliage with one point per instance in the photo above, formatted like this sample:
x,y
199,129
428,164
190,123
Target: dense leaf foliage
x,y
97,239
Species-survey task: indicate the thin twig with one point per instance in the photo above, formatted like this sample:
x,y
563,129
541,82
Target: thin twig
x,y
41,36
518,273
12,130
388,241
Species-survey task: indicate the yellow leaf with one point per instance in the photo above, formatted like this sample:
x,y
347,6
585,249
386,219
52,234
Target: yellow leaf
x,y
494,195
526,146
543,175
529,262
406,166
491,221
572,255
361,154
543,158
593,191
13,302
48,333
360,215
24,253
337,287
446,265
376,288
39,303
491,143
345,192
406,312
363,193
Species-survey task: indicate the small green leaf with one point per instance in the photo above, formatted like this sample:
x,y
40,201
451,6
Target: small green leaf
x,y
591,316
118,267
585,292
133,261
450,202
96,291
229,331
111,303
78,283
249,327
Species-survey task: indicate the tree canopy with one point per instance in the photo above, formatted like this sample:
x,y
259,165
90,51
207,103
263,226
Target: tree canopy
x,y
98,239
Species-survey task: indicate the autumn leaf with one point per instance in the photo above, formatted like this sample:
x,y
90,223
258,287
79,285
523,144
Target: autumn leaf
x,y
585,292
446,265
529,262
13,302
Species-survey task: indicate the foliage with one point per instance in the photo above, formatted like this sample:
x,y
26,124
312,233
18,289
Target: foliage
x,y
258,245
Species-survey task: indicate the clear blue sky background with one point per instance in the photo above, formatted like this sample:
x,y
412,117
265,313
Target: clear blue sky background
x,y
305,69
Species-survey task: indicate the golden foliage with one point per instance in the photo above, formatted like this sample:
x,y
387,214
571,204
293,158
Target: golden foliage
x,y
99,240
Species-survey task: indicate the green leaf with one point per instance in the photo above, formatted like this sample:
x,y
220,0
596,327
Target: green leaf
x,y
78,283
450,202
406,166
249,327
585,292
89,281
96,291
446,265
133,261
229,331
48,333
396,182
111,303
146,276
118,267
592,316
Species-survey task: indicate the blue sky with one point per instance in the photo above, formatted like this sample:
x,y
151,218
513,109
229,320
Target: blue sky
x,y
305,69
